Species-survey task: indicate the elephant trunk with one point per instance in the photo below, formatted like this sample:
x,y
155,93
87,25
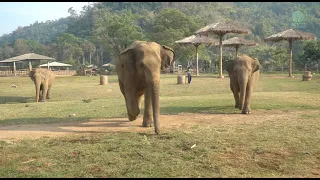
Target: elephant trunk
x,y
243,80
155,88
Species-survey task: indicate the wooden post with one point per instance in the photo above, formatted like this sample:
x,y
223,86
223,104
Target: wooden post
x,y
103,80
14,68
220,47
290,60
181,79
197,60
307,76
237,47
30,66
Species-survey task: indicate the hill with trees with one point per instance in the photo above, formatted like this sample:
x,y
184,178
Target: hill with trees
x,y
100,31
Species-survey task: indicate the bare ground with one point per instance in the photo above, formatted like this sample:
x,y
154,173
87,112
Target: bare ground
x,y
33,131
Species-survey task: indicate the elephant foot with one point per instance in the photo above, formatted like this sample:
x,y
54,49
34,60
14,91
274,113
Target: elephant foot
x,y
246,111
147,123
132,118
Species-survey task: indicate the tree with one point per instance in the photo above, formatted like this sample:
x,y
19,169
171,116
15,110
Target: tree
x,y
311,54
116,31
20,47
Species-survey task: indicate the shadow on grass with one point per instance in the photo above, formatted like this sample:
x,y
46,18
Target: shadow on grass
x,y
15,99
227,109
94,124
79,125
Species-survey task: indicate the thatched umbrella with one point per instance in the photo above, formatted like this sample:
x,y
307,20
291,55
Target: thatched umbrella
x,y
197,41
290,35
29,57
236,42
222,29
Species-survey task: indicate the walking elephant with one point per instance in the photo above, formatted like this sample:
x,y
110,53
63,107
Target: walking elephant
x,y
244,75
43,79
138,69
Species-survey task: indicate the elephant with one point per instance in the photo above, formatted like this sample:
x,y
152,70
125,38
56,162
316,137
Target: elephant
x,y
244,74
43,79
138,68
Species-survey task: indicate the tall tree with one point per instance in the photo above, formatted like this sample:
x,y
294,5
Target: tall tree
x,y
116,31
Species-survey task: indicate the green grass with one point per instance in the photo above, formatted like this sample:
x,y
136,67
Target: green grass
x,y
281,147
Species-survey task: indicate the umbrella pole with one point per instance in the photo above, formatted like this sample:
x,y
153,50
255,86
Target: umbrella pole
x,y
290,60
197,60
220,47
237,47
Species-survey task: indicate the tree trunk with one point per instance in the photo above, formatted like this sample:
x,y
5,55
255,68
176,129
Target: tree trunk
x,y
90,57
101,57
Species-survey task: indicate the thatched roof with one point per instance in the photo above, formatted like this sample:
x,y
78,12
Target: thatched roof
x,y
8,60
28,56
197,40
223,28
55,64
291,34
238,41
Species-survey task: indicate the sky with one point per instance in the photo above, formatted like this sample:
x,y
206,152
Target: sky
x,y
14,14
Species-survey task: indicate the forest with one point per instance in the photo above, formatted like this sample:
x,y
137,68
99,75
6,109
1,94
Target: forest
x,y
100,31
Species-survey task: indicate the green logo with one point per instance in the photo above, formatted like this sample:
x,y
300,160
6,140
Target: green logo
x,y
297,19
297,16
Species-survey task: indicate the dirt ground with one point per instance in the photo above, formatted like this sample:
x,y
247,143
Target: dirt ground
x,y
33,131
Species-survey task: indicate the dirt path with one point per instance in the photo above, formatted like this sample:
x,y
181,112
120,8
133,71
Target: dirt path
x,y
123,125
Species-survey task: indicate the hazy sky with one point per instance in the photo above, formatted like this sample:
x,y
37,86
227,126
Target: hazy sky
x,y
14,14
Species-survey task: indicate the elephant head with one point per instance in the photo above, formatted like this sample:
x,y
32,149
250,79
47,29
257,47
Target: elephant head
x,y
138,69
244,74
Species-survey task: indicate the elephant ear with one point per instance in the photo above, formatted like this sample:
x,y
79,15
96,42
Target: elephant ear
x,y
229,68
255,65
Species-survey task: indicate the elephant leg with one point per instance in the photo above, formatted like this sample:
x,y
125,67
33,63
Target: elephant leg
x,y
38,91
251,85
246,107
147,116
44,91
234,86
48,94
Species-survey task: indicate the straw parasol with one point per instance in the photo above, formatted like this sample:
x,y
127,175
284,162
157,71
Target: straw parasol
x,y
290,35
236,42
197,41
221,29
29,57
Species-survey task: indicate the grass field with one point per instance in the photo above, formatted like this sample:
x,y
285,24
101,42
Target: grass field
x,y
282,142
